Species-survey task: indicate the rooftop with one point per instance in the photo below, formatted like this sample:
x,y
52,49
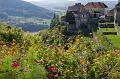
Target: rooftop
x,y
96,5
76,7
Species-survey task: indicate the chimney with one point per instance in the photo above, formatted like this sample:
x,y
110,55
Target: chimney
x,y
78,4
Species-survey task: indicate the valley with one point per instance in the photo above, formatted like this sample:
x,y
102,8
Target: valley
x,y
25,15
75,41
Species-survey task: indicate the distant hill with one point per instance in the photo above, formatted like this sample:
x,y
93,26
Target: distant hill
x,y
55,5
24,14
63,4
23,9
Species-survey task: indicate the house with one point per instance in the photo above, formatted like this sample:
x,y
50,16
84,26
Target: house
x,y
77,16
110,15
80,16
117,14
96,9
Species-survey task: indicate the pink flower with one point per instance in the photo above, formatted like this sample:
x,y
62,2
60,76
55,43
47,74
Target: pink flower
x,y
52,69
56,75
26,69
15,64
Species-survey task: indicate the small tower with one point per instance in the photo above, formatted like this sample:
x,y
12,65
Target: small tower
x,y
117,14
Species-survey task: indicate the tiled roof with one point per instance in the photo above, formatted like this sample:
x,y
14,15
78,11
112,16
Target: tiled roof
x,y
96,5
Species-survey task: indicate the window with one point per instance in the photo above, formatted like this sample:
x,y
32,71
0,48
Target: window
x,y
84,19
82,16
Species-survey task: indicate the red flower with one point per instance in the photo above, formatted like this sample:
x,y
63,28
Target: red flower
x,y
15,64
51,75
52,69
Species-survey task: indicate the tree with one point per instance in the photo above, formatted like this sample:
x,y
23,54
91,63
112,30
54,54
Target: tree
x,y
70,18
55,21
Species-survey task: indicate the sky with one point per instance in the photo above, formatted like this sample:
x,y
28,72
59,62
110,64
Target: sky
x,y
68,0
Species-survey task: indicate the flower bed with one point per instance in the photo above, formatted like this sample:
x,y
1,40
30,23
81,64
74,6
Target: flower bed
x,y
75,57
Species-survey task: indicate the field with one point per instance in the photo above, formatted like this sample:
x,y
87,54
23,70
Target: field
x,y
107,39
108,29
30,20
102,41
115,40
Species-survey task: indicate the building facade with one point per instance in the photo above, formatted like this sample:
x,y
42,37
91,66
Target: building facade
x,y
77,16
117,14
96,9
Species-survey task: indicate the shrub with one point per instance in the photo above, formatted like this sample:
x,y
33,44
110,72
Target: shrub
x,y
9,34
36,57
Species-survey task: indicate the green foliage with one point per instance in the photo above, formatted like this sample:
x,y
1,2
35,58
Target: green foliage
x,y
70,16
55,21
9,34
52,55
54,35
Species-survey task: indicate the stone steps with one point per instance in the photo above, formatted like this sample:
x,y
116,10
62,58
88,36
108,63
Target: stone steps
x,y
109,33
106,25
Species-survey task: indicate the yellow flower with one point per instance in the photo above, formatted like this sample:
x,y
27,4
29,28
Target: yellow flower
x,y
108,55
71,71
59,44
68,70
80,45
77,40
71,41
95,60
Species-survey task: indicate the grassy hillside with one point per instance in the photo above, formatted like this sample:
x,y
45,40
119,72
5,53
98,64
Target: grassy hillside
x,y
115,40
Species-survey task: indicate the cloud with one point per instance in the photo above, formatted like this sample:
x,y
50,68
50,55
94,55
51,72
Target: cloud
x,y
33,0
48,0
68,0
71,0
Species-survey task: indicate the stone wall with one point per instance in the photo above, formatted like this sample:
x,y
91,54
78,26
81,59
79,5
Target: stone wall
x,y
106,25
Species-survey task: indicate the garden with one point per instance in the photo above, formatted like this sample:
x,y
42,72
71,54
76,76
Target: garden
x,y
53,55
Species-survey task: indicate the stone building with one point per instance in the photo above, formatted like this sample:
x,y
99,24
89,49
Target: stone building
x,y
117,14
110,15
77,16
96,9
